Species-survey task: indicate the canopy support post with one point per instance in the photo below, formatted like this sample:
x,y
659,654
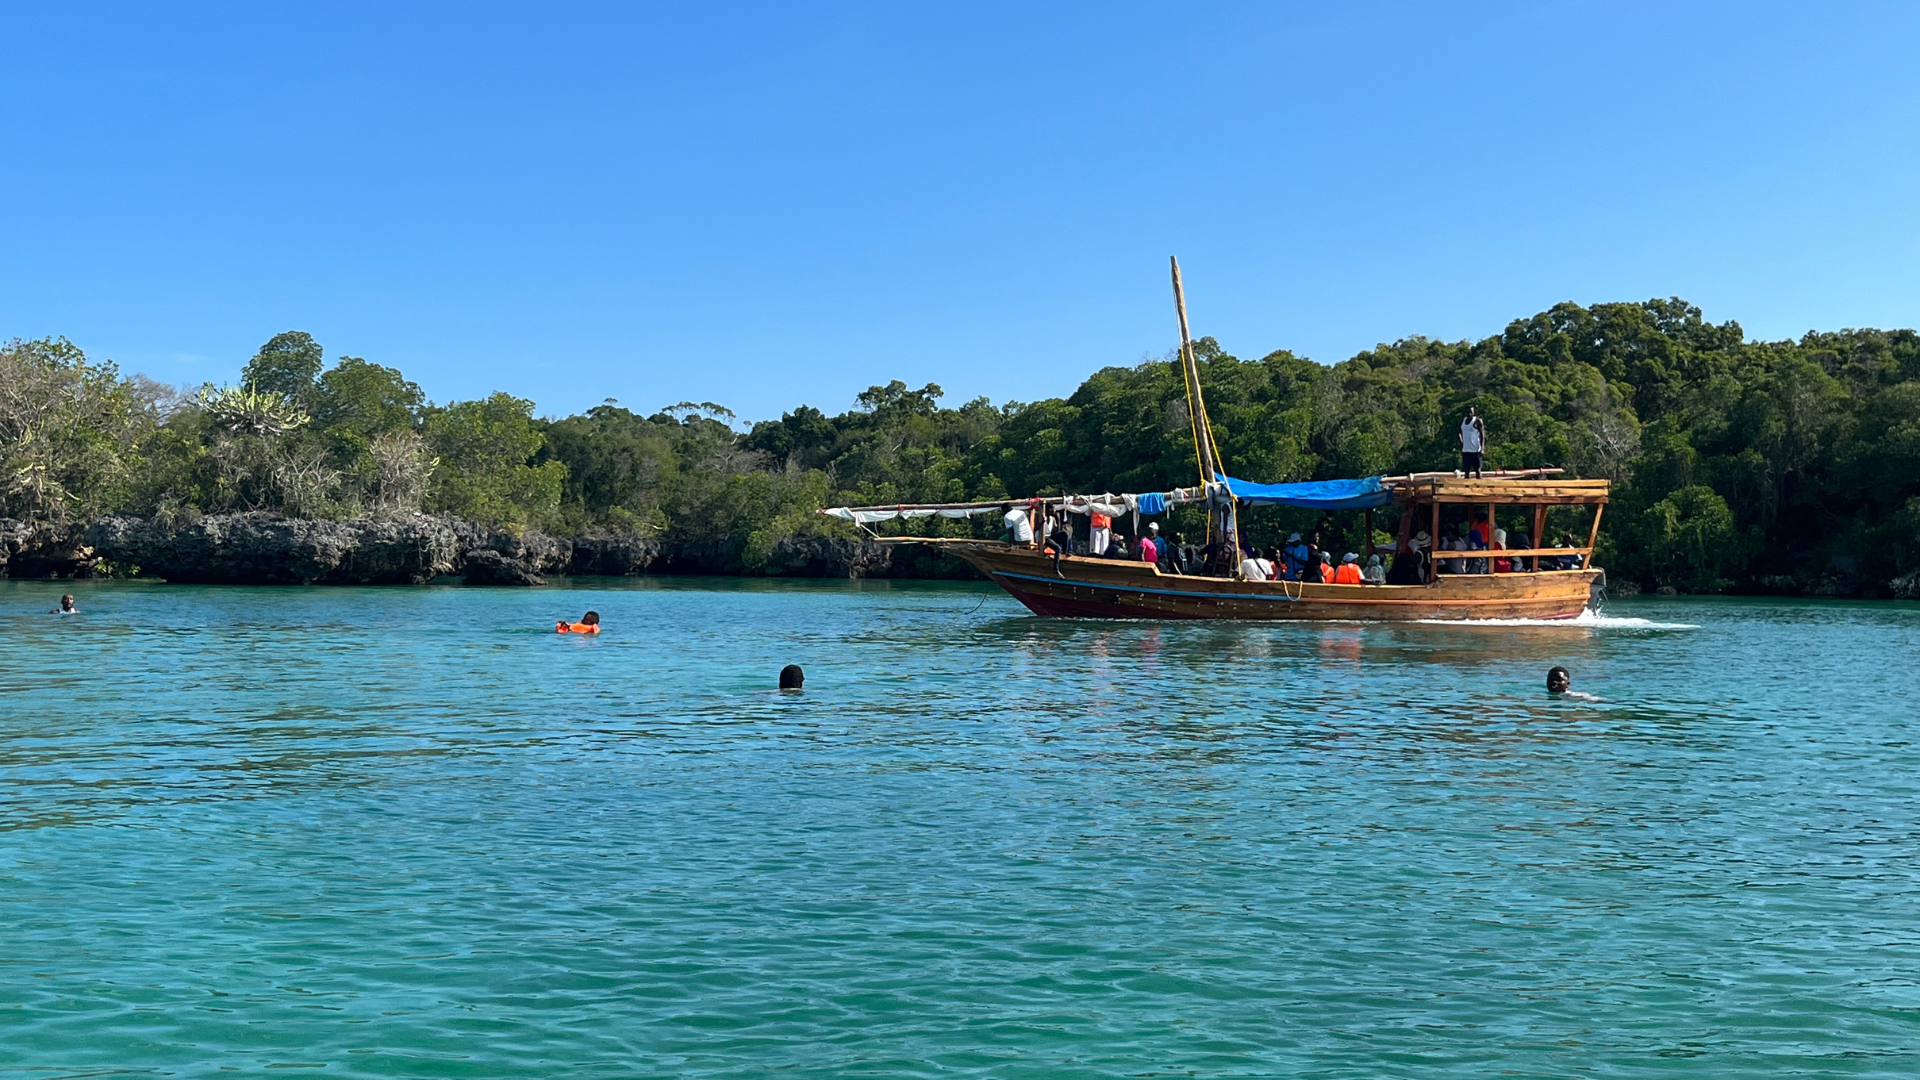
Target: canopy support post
x,y
1539,533
1593,536
1433,545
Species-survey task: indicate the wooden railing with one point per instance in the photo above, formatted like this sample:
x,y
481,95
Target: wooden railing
x,y
1504,553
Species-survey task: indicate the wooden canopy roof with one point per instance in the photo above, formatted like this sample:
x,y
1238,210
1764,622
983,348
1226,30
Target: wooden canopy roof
x,y
1532,487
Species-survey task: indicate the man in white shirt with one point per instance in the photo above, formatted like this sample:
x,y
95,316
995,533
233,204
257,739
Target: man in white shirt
x,y
1019,526
1473,440
1254,568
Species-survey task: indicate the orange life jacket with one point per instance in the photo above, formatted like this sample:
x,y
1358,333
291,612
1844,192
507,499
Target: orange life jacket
x,y
565,627
1348,574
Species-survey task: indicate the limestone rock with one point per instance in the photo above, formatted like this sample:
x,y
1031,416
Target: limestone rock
x,y
614,554
486,566
40,549
266,549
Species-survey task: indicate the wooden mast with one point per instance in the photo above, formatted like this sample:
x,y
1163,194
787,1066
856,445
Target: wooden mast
x,y
1203,444
1196,402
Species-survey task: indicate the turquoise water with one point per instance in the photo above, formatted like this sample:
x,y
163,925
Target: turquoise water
x,y
413,833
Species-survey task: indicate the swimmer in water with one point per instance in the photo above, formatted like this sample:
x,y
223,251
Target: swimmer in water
x,y
792,678
1560,683
66,606
588,624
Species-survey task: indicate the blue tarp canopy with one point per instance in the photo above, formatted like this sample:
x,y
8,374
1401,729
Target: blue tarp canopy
x,y
1315,494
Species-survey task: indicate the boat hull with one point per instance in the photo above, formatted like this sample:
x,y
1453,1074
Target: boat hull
x,y
1110,589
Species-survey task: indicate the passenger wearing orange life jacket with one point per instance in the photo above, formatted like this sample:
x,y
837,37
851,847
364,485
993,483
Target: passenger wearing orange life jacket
x,y
1099,533
1349,572
588,624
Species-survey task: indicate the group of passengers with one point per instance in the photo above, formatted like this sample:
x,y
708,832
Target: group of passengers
x,y
1475,538
1101,542
1303,559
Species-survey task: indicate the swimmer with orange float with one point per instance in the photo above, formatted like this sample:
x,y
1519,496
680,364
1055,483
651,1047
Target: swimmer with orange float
x,y
588,624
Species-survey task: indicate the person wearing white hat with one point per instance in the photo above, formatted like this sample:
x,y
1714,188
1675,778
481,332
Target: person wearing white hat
x,y
1294,556
1349,572
1410,566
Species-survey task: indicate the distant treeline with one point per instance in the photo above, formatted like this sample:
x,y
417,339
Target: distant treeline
x,y
1733,460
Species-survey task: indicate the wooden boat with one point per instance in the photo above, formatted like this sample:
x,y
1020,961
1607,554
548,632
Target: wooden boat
x,y
1086,587
1081,586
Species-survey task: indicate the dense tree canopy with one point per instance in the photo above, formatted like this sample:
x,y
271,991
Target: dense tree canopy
x,y
1733,460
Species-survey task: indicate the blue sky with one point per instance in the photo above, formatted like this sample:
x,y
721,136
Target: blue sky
x,y
769,205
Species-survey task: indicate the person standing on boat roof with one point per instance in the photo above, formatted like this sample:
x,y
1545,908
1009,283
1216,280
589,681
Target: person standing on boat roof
x,y
1473,440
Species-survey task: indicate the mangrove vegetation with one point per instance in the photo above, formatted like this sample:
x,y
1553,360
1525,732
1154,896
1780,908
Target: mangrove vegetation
x,y
1735,462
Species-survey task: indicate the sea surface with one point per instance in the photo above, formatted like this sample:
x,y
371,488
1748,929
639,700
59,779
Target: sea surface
x,y
415,833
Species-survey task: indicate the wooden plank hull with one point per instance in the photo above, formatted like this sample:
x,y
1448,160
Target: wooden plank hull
x,y
1111,589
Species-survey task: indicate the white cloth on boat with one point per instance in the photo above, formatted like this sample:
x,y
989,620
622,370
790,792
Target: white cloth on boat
x,y
868,516
1252,570
864,517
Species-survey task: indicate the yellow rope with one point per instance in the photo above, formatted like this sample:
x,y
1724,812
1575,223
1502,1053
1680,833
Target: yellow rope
x,y
1189,371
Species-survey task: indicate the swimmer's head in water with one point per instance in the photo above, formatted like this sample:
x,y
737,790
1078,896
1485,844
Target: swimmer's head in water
x,y
791,677
66,602
591,618
1558,680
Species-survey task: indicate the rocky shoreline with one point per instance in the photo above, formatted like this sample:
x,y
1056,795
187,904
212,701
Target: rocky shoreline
x,y
267,549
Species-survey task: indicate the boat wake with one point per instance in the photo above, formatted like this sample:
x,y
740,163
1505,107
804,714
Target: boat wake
x,y
1588,618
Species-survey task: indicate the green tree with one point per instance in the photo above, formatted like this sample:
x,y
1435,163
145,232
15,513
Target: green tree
x,y
286,365
486,450
355,401
1688,540
620,466
70,431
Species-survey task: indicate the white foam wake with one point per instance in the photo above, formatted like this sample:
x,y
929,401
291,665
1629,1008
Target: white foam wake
x,y
1588,618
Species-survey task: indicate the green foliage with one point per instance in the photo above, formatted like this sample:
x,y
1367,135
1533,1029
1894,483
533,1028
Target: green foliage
x,y
245,411
1687,540
70,431
619,465
1733,460
486,449
355,402
285,366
